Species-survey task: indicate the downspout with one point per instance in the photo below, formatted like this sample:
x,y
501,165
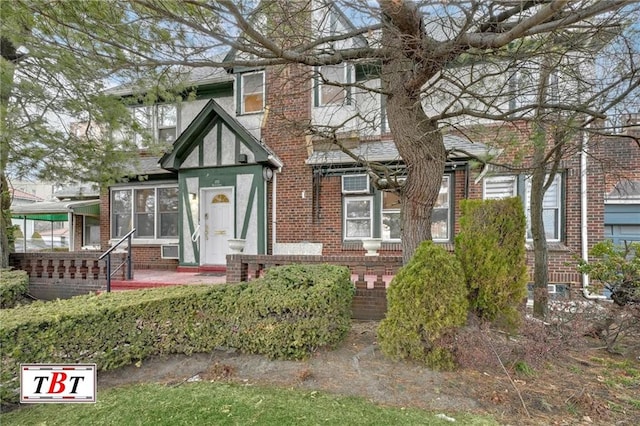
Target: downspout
x,y
274,197
584,229
274,193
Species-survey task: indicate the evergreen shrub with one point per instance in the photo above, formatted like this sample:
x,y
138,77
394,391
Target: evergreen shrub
x,y
491,249
426,301
288,314
14,285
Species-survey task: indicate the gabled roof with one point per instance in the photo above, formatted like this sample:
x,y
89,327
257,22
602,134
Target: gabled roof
x,y
386,151
331,10
211,112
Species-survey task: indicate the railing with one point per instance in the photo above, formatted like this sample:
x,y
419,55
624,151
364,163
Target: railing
x,y
127,259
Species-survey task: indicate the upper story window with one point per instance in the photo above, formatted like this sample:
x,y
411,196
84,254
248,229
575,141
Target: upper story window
x,y
330,85
156,121
498,187
153,211
251,97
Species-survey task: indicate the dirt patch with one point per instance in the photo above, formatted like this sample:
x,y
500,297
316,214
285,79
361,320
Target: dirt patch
x,y
571,389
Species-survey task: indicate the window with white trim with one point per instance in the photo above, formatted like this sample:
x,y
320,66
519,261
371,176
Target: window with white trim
x,y
391,216
551,204
252,92
91,231
153,211
330,85
441,214
358,218
497,187
156,121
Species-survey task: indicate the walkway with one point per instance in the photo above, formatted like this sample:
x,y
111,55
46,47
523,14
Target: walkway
x,y
146,278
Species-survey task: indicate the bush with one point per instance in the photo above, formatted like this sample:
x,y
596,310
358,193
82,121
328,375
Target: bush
x,y
491,249
616,268
14,285
287,314
427,300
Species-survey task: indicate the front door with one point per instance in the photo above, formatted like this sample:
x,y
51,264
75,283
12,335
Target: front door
x,y
217,216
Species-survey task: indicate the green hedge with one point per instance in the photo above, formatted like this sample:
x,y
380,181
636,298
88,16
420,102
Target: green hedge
x,y
287,314
491,249
427,300
13,286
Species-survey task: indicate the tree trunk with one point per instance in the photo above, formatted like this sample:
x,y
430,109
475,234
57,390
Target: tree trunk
x,y
7,57
421,146
541,267
417,137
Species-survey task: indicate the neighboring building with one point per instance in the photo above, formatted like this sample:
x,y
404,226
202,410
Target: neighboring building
x,y
70,221
622,168
241,169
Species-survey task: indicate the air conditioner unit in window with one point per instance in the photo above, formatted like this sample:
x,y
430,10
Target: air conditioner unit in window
x,y
355,184
169,251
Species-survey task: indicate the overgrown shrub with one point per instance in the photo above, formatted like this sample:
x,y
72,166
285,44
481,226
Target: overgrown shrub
x,y
615,268
13,287
288,314
491,249
426,301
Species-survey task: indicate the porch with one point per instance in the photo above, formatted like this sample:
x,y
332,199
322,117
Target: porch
x,y
62,275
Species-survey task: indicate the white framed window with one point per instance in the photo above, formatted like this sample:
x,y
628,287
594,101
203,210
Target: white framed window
x,y
355,184
156,121
90,231
391,225
252,92
331,89
499,187
551,209
358,218
441,214
153,211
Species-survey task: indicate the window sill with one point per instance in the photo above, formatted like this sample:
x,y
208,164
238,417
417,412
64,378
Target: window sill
x,y
146,241
551,246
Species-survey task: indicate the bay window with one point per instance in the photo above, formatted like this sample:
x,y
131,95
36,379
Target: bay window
x,y
378,215
153,211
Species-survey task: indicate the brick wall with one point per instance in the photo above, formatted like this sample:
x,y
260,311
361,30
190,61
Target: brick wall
x,y
62,275
371,276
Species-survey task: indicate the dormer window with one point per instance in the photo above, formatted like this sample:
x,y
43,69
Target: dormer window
x,y
156,121
251,98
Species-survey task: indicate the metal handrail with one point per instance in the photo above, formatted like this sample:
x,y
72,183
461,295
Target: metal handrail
x,y
127,260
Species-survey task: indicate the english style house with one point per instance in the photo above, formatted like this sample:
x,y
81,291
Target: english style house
x,y
239,170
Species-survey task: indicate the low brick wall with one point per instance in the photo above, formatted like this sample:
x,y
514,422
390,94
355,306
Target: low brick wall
x,y
371,276
64,275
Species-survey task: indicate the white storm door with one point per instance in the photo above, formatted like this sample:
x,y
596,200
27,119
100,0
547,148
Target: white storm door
x,y
218,219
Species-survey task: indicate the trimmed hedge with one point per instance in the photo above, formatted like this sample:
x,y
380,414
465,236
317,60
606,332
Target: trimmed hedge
x,y
13,286
491,249
287,314
427,301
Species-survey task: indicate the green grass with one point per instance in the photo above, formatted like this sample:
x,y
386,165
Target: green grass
x,y
224,404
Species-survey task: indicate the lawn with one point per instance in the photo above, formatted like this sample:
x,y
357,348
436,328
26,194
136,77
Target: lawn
x,y
209,403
